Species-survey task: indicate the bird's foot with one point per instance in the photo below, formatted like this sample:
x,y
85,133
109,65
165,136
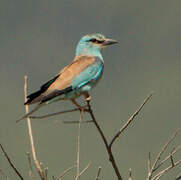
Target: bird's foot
x,y
81,108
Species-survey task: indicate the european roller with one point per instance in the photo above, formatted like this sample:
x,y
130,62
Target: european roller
x,y
76,79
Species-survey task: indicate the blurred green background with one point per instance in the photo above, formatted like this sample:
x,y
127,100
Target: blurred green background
x,y
38,38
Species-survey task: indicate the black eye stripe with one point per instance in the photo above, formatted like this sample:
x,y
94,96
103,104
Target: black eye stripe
x,y
93,40
96,41
100,42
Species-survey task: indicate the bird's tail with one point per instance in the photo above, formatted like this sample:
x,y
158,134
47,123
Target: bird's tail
x,y
31,112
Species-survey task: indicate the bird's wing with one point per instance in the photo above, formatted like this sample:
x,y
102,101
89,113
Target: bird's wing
x,y
82,70
89,74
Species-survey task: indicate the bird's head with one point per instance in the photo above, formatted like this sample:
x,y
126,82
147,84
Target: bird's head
x,y
92,44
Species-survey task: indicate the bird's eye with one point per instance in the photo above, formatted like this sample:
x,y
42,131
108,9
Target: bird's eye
x,y
96,41
93,40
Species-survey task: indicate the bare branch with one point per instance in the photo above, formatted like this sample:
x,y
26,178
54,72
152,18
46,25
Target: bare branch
x,y
109,146
97,125
149,164
85,169
31,134
98,173
129,120
10,162
164,160
65,172
160,174
109,151
54,114
171,158
157,165
163,150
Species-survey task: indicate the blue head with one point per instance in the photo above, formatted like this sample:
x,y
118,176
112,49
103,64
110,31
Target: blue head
x,y
92,45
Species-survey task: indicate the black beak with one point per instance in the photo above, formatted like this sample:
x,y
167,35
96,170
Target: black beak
x,y
109,42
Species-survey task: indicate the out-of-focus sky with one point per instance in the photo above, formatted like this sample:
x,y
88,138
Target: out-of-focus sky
x,y
38,38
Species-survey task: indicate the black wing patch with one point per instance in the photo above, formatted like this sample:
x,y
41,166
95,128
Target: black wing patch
x,y
56,93
43,88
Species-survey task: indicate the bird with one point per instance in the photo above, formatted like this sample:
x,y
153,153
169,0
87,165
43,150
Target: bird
x,y
77,78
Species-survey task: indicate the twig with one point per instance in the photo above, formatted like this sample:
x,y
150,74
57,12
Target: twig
x,y
78,148
160,174
109,146
10,162
3,174
163,150
98,173
129,120
97,125
157,165
30,166
149,164
65,172
54,114
164,160
85,169
171,158
31,134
